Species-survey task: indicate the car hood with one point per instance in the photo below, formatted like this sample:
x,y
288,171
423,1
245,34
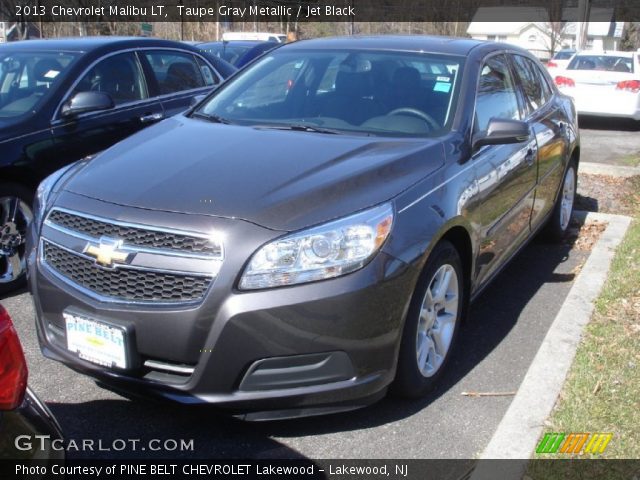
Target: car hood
x,y
279,179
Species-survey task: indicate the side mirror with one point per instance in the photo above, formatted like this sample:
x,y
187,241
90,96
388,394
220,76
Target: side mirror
x,y
501,131
197,99
83,102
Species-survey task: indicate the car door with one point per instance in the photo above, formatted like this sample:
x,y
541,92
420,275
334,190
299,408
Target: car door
x,y
177,76
506,174
119,75
548,122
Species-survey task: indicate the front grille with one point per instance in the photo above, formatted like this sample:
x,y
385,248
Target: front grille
x,y
125,283
136,236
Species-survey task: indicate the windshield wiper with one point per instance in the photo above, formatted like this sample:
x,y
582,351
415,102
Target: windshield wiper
x,y
211,117
302,127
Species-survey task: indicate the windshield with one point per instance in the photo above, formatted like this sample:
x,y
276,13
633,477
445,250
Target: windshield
x,y
366,92
26,78
609,63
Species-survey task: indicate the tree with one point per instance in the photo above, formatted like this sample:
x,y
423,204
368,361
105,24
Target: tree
x,y
555,32
630,36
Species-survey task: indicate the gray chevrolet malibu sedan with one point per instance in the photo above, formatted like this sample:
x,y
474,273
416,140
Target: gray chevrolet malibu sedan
x,y
311,234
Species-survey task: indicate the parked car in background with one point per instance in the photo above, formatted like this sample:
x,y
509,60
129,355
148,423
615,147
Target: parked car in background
x,y
237,52
561,59
22,414
262,36
64,99
311,234
605,84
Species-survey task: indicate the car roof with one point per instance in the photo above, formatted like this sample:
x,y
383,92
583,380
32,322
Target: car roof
x,y
87,44
241,43
446,45
609,53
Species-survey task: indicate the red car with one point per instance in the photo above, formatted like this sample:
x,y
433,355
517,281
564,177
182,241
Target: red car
x,y
28,429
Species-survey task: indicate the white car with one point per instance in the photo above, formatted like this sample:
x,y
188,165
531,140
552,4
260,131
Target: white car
x,y
603,84
560,60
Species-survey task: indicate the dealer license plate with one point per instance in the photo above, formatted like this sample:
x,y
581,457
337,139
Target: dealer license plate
x,y
95,341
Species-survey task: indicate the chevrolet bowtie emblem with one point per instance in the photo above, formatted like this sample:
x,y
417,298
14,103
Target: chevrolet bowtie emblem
x,y
106,252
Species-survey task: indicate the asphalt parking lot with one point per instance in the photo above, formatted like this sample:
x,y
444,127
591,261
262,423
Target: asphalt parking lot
x,y
610,141
498,342
506,326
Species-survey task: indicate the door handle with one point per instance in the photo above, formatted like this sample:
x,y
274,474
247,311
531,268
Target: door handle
x,y
151,117
530,156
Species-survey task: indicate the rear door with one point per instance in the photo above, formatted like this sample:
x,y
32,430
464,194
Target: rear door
x,y
506,174
177,76
548,123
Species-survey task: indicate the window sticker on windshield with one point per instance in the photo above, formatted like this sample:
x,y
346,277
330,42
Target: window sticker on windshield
x,y
442,87
51,74
443,79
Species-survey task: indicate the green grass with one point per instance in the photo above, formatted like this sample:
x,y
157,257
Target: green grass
x,y
631,160
602,392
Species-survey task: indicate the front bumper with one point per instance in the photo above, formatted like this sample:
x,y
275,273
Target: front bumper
x,y
314,348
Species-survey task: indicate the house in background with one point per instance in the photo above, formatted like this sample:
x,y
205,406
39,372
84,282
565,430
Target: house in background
x,y
533,36
540,36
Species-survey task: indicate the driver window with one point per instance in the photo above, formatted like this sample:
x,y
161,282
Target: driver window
x,y
496,97
119,75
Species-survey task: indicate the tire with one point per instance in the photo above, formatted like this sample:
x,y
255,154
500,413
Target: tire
x,y
13,230
560,219
429,333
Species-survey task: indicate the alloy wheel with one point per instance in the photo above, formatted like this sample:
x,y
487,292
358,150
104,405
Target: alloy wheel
x,y
437,321
568,196
15,217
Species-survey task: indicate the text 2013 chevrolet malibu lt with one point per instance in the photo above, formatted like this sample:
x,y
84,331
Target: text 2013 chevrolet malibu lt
x,y
311,234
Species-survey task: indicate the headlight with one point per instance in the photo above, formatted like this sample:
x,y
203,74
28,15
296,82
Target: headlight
x,y
43,193
328,251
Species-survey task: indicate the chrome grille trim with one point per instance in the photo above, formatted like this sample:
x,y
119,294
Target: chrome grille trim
x,y
119,299
217,250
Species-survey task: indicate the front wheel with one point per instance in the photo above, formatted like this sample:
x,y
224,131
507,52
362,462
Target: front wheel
x,y
432,323
15,218
560,219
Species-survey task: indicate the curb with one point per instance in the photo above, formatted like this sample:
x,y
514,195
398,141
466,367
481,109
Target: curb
x,y
591,168
523,423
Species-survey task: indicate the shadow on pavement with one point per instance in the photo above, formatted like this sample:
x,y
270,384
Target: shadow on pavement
x,y
14,293
603,123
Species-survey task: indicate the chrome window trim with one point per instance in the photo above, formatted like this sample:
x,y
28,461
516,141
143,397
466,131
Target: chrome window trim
x,y
141,226
106,299
57,119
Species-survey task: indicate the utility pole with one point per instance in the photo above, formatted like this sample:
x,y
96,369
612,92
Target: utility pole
x,y
582,26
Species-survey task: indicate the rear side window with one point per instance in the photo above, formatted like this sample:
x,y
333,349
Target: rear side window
x,y
175,71
118,75
207,72
534,84
496,97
